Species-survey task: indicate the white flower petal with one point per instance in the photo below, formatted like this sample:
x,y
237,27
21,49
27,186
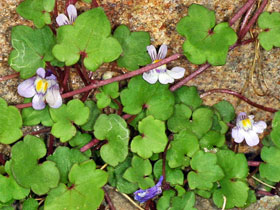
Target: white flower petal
x,y
38,102
152,52
162,51
41,72
27,88
237,134
176,72
164,78
62,20
53,97
151,76
72,13
258,127
251,138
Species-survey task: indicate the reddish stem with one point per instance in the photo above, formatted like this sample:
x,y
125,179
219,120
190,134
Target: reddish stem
x,y
265,193
65,79
246,18
241,11
55,12
50,146
254,163
238,95
11,76
108,200
170,138
131,119
126,116
43,130
81,74
114,79
2,159
89,145
94,4
253,20
203,68
119,105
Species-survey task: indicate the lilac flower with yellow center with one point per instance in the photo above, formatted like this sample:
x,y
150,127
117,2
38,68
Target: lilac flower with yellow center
x,y
247,129
42,87
145,195
62,19
161,73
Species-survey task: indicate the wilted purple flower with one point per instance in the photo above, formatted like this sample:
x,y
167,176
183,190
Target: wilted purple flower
x,y
161,73
248,129
62,19
42,87
145,195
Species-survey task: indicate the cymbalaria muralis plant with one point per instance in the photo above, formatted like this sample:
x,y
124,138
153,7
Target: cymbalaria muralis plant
x,y
158,142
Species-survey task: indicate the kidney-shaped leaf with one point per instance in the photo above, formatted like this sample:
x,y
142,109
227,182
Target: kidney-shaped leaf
x,y
26,170
90,36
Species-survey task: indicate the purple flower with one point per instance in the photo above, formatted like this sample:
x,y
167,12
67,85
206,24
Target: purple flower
x,y
161,73
42,87
62,19
248,129
145,195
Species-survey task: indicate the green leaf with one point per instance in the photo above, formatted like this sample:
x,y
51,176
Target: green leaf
x,y
10,123
206,171
202,119
226,110
173,176
32,117
184,145
113,128
116,177
26,170
189,96
94,112
158,99
234,184
180,118
275,133
30,204
134,48
79,140
65,159
212,138
85,192
171,202
9,188
36,10
187,201
270,37
64,117
108,92
152,140
205,40
140,173
271,168
96,42
30,45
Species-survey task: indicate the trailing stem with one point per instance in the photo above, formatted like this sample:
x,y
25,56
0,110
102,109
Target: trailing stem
x,y
108,200
89,145
11,76
231,92
114,79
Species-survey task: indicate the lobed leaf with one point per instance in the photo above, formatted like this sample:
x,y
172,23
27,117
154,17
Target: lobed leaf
x,y
96,43
30,45
152,140
157,98
85,192
10,123
134,48
205,40
114,129
26,170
